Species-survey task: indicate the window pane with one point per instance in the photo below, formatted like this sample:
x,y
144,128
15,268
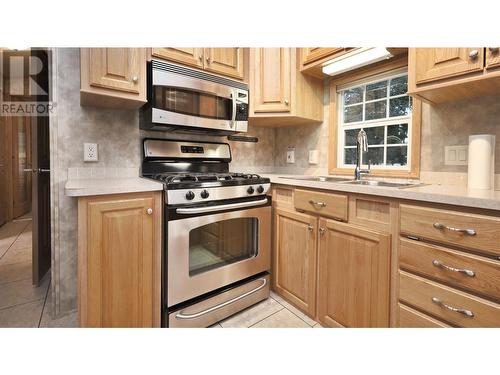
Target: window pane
x,y
353,114
375,156
397,155
375,135
353,96
399,86
397,134
376,90
375,110
350,156
400,106
350,137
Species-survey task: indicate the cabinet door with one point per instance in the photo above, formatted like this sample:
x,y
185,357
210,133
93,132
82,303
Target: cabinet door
x,y
437,63
118,262
272,76
226,61
353,281
312,54
492,57
186,56
294,261
116,68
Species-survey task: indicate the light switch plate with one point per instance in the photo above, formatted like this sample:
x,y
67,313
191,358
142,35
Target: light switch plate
x,y
90,152
313,156
290,155
455,155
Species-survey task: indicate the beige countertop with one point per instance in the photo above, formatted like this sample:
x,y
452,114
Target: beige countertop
x,y
434,193
102,186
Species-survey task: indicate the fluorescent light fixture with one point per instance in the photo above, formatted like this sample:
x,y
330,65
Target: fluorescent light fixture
x,y
356,59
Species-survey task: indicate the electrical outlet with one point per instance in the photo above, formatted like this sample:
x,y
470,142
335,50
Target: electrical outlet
x,y
90,152
455,155
290,155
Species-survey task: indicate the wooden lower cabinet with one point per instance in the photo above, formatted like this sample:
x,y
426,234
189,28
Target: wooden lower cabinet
x,y
119,268
294,263
353,276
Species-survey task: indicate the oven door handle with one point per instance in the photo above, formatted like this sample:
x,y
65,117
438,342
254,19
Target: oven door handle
x,y
180,315
222,207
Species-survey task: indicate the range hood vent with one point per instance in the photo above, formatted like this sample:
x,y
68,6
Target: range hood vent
x,y
356,59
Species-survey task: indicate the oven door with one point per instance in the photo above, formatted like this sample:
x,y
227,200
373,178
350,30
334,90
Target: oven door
x,y
216,249
193,102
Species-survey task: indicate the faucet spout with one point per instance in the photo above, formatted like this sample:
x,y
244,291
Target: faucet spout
x,y
361,146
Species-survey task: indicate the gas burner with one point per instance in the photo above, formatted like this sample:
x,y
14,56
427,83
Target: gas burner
x,y
245,176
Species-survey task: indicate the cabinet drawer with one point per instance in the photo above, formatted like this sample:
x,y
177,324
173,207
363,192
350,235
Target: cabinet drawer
x,y
466,271
325,204
449,227
410,318
448,304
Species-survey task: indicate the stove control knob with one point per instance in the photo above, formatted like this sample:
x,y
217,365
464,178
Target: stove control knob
x,y
260,189
204,194
189,195
250,190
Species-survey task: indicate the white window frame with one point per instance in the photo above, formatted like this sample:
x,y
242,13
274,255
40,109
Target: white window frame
x,y
373,123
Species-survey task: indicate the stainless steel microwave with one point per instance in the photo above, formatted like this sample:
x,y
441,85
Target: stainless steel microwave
x,y
181,99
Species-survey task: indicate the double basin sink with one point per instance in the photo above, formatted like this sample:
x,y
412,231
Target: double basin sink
x,y
347,181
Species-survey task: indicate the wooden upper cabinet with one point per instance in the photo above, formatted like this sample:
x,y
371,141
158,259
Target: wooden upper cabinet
x,y
113,77
294,271
353,280
119,260
312,54
225,61
186,56
492,57
437,63
272,80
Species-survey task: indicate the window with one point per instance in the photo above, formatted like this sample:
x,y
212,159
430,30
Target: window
x,y
383,109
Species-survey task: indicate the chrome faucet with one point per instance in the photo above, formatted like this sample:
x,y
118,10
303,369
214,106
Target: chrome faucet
x,y
362,146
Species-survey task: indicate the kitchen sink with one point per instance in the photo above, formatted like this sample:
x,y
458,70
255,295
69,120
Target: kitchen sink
x,y
320,178
400,185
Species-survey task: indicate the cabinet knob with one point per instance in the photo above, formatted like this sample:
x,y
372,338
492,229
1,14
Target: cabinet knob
x,y
286,101
474,54
321,231
310,228
493,49
149,211
200,57
135,79
208,59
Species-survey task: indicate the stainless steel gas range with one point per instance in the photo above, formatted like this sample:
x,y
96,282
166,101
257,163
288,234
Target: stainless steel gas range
x,y
217,234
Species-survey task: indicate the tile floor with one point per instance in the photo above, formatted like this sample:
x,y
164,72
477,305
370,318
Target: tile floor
x,y
21,304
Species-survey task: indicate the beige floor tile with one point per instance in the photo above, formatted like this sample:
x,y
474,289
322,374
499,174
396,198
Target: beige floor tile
x,y
252,315
17,292
216,325
293,309
22,242
282,319
16,255
317,325
12,228
25,315
67,321
15,272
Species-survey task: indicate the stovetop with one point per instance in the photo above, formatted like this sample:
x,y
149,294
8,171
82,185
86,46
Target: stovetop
x,y
186,180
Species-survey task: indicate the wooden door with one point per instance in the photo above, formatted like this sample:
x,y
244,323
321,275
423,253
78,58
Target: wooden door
x,y
21,165
117,68
492,57
185,56
312,54
225,61
353,280
294,262
271,79
119,261
433,64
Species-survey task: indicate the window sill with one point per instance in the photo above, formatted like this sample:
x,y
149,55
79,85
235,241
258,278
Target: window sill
x,y
378,172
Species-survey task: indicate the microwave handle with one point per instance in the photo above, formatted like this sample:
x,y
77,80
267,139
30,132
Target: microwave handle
x,y
233,120
222,207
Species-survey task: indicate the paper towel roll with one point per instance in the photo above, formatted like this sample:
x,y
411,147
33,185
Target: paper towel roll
x,y
481,161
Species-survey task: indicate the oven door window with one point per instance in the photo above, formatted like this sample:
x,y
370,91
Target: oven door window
x,y
193,103
219,244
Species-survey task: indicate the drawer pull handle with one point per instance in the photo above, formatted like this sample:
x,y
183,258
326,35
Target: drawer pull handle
x,y
320,204
467,313
440,264
469,232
